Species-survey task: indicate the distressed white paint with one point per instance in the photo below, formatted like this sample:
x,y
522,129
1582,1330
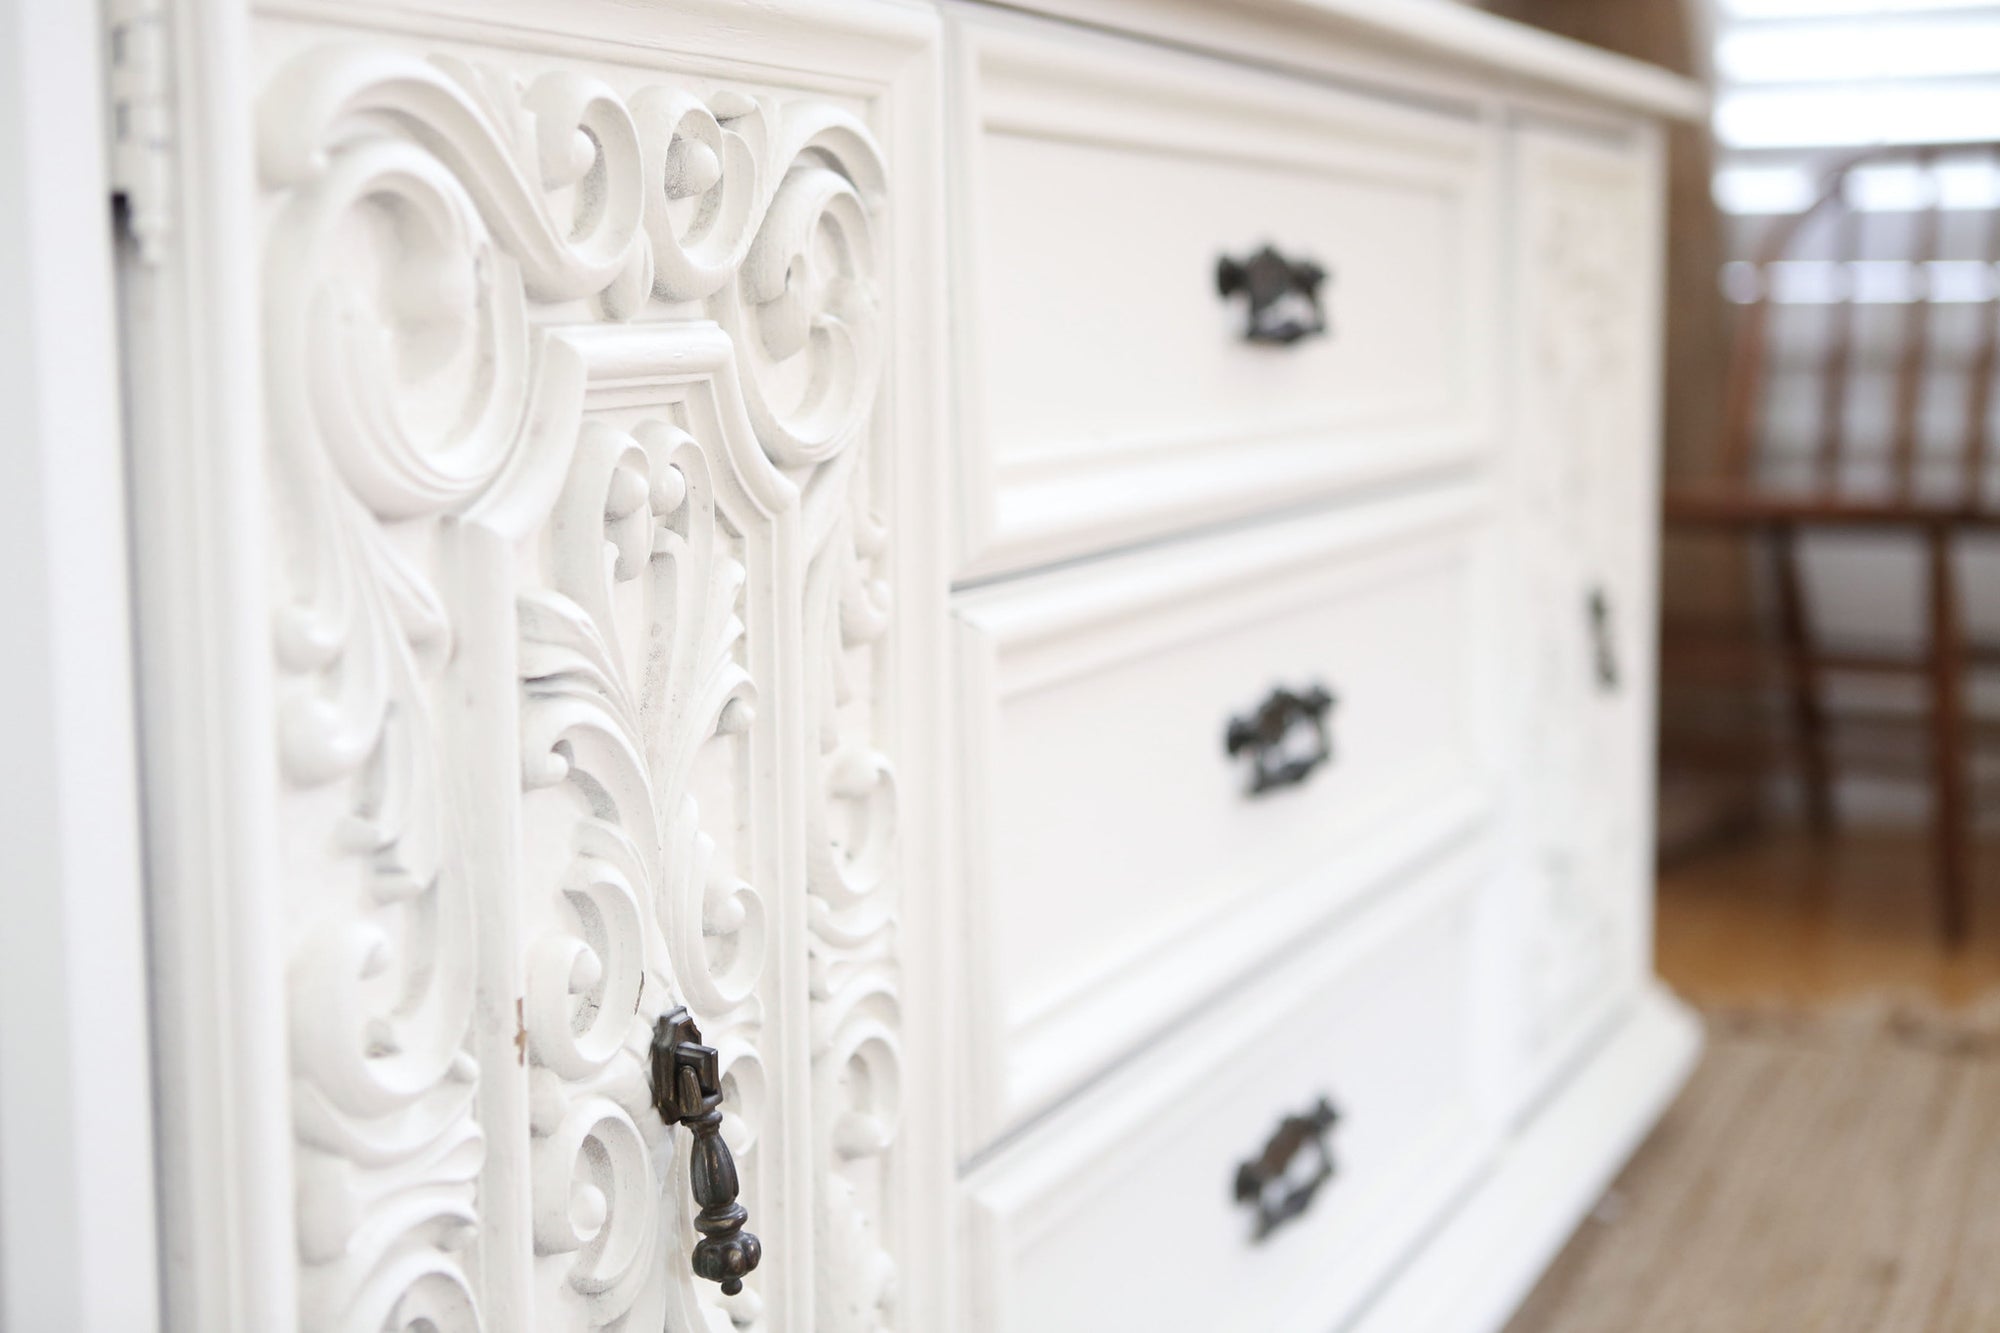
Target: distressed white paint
x,y
1117,1209
1096,701
1583,521
1172,421
569,695
556,470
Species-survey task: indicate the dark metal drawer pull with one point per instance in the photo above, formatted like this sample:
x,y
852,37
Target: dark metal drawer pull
x,y
1265,735
1604,647
687,1090
1283,295
1281,1181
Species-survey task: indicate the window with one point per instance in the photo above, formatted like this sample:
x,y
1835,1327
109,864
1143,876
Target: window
x,y
1799,81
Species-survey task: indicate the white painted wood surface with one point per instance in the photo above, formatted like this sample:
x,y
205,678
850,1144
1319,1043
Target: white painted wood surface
x,y
1412,44
1097,705
1118,1213
1170,420
78,1247
1584,500
1477,1269
569,532
559,434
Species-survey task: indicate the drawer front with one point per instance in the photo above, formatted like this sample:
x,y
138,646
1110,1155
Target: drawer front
x,y
1115,392
1122,864
1125,1212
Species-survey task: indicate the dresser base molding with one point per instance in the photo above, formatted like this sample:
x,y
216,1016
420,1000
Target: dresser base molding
x,y
1473,1275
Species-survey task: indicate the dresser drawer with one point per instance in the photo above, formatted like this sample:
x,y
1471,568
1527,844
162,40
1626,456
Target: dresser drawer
x,y
1121,865
1124,1211
1113,390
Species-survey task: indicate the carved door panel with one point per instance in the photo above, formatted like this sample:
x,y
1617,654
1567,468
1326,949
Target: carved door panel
x,y
1586,259
575,462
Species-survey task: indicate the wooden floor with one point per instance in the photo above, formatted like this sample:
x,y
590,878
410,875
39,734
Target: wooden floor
x,y
1782,918
1823,1173
1832,1165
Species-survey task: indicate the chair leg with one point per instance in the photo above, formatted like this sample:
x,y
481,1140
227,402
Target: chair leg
x,y
1802,683
1950,775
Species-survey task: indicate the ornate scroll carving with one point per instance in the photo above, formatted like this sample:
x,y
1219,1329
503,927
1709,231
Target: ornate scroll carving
x,y
404,389
851,830
632,673
797,241
765,218
437,228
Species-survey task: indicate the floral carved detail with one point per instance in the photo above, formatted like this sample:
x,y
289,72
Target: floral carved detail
x,y
646,907
1586,265
852,829
404,389
477,964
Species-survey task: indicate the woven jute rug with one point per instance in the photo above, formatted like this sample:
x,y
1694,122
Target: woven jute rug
x,y
1823,1172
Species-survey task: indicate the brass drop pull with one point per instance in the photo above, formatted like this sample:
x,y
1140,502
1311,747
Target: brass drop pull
x,y
687,1090
1267,736
1283,295
1281,1181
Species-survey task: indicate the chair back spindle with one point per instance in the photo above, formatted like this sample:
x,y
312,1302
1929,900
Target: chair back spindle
x,y
1854,441
1912,364
1984,364
1846,227
1847,440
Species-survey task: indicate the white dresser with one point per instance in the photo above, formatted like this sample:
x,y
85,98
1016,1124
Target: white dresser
x,y
1020,642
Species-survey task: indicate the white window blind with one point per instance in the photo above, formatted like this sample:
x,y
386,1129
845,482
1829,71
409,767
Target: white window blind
x,y
1800,81
1801,85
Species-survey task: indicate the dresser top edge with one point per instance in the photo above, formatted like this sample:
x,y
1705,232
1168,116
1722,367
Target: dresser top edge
x,y
1439,32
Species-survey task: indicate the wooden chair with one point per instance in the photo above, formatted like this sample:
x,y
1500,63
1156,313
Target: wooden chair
x,y
1806,448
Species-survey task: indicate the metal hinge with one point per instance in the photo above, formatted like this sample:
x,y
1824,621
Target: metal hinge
x,y
139,120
